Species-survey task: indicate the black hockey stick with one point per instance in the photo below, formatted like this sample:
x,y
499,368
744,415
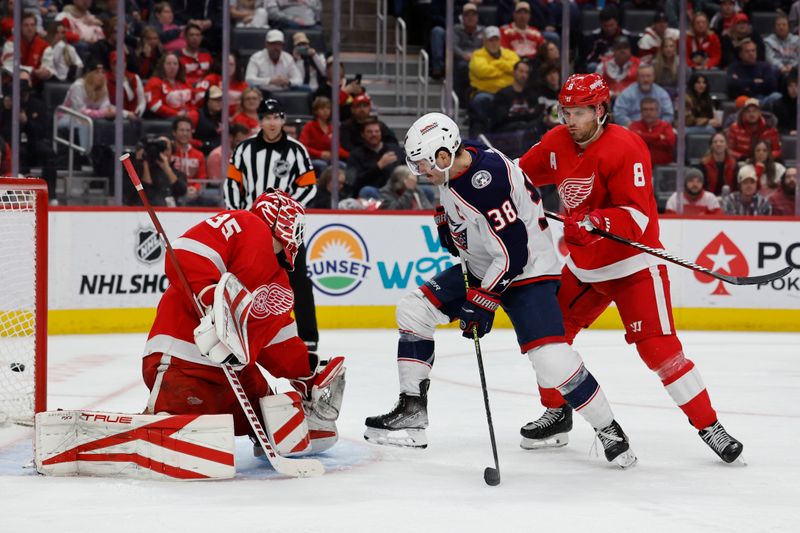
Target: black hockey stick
x,y
490,475
663,254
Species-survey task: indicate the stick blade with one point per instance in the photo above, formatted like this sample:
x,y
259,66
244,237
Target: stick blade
x,y
758,280
298,467
491,476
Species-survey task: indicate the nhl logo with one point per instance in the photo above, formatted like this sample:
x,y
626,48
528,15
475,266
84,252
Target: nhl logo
x,y
282,168
481,179
149,248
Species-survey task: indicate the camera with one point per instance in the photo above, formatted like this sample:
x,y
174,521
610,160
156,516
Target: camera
x,y
303,50
153,147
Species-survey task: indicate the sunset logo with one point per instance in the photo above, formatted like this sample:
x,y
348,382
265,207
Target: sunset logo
x,y
338,260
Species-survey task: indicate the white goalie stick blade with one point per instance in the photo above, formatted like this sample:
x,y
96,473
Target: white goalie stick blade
x,y
232,302
403,438
283,465
556,441
161,447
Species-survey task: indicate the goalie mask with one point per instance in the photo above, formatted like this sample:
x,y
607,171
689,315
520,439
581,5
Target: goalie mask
x,y
430,134
286,218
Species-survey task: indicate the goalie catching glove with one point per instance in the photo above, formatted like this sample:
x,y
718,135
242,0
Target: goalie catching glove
x,y
322,392
221,335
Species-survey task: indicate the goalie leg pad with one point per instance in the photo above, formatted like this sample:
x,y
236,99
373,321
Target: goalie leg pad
x,y
286,423
161,447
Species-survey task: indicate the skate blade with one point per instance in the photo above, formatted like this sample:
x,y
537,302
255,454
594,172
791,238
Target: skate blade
x,y
403,438
626,459
556,441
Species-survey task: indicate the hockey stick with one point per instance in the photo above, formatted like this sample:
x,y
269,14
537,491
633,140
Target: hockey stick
x,y
490,475
283,465
663,254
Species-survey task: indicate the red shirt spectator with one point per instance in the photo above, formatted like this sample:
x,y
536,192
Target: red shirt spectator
x,y
167,93
186,157
657,134
783,200
719,166
519,36
133,98
80,23
196,63
696,200
621,69
247,114
703,49
148,52
32,49
751,126
317,134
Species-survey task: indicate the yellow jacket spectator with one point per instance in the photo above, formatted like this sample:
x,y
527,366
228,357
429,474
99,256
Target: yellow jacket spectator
x,y
492,67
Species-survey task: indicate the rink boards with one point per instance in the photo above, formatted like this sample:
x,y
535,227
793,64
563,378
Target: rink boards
x,y
106,268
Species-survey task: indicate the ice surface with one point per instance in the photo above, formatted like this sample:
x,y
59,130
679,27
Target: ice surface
x,y
679,485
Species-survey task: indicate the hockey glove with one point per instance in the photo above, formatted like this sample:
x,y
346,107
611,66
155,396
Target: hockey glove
x,y
322,392
478,312
209,343
578,226
445,237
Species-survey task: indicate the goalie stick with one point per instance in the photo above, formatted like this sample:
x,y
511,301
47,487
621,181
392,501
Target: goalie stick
x,y
490,475
283,465
663,254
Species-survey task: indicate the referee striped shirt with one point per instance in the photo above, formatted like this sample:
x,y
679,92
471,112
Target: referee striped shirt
x,y
257,165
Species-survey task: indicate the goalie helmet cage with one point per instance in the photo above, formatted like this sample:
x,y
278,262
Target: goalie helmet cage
x,y
23,299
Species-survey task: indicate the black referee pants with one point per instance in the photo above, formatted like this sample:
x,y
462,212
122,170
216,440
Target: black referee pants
x,y
305,312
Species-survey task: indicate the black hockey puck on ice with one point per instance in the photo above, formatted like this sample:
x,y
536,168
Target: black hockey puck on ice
x,y
17,367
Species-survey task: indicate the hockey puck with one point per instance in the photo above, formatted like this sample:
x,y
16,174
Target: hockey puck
x,y
17,367
491,476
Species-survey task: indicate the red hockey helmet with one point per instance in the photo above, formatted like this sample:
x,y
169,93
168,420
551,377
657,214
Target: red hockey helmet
x,y
285,217
584,90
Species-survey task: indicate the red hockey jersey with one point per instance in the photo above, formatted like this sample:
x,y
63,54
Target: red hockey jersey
x,y
613,174
241,243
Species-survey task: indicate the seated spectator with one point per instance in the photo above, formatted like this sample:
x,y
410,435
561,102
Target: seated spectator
x,y
148,52
703,49
32,52
236,83
620,69
763,165
169,33
89,96
294,14
317,134
794,15
735,37
598,45
371,164
719,166
309,61
361,113
246,14
785,108
516,106
192,162
782,47
723,19
665,64
102,48
519,35
699,107
746,201
196,62
750,126
347,89
133,99
61,57
654,35
549,55
547,96
401,192
168,94
236,134
209,122
783,199
325,186
657,134
248,115
272,69
490,69
467,37
164,186
752,78
83,28
627,104
696,200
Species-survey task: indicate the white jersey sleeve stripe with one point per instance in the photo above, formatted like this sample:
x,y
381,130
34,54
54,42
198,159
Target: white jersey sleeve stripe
x,y
197,247
640,218
287,332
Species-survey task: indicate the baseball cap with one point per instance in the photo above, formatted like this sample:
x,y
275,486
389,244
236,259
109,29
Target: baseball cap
x,y
300,38
747,172
274,36
739,17
660,16
491,32
362,99
214,92
522,5
469,7
751,101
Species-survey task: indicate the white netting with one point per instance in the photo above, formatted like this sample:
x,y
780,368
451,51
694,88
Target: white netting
x,y
17,304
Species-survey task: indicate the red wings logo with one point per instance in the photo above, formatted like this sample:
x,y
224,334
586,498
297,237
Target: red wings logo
x,y
271,299
573,191
723,256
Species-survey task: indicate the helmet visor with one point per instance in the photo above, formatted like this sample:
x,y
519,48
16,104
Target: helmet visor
x,y
419,167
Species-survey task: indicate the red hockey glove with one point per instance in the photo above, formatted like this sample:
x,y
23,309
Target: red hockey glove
x,y
578,226
478,312
445,237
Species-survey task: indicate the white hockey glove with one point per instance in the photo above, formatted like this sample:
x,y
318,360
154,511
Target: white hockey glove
x,y
222,333
323,392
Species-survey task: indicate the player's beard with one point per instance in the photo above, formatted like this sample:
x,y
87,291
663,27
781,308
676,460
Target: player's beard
x,y
587,136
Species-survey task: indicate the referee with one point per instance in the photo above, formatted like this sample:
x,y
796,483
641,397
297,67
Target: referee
x,y
273,160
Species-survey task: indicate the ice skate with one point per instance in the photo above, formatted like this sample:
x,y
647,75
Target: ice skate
x,y
616,446
549,431
728,448
404,425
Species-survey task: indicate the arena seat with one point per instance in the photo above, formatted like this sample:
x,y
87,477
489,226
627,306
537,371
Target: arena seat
x,y
637,20
717,83
54,93
590,19
664,183
788,147
248,38
154,126
696,147
295,103
763,22
487,15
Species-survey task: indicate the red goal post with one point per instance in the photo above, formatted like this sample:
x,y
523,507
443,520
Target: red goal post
x,y
23,299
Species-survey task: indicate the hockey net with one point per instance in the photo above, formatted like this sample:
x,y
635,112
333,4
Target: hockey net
x,y
23,299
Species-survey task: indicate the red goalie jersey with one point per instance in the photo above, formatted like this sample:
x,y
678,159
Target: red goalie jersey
x,y
241,243
614,175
